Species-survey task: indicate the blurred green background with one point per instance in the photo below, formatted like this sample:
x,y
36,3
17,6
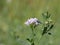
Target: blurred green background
x,y
13,14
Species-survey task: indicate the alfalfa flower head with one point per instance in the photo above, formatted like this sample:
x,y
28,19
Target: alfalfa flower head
x,y
32,21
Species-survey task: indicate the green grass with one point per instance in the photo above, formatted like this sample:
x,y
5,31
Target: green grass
x,y
13,31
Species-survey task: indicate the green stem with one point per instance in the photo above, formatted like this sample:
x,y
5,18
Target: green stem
x,y
32,35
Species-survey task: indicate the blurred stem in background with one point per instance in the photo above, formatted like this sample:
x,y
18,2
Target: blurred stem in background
x,y
48,24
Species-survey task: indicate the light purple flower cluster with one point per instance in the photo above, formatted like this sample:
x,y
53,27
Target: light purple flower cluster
x,y
32,21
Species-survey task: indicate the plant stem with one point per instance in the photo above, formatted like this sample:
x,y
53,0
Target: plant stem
x,y
32,35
